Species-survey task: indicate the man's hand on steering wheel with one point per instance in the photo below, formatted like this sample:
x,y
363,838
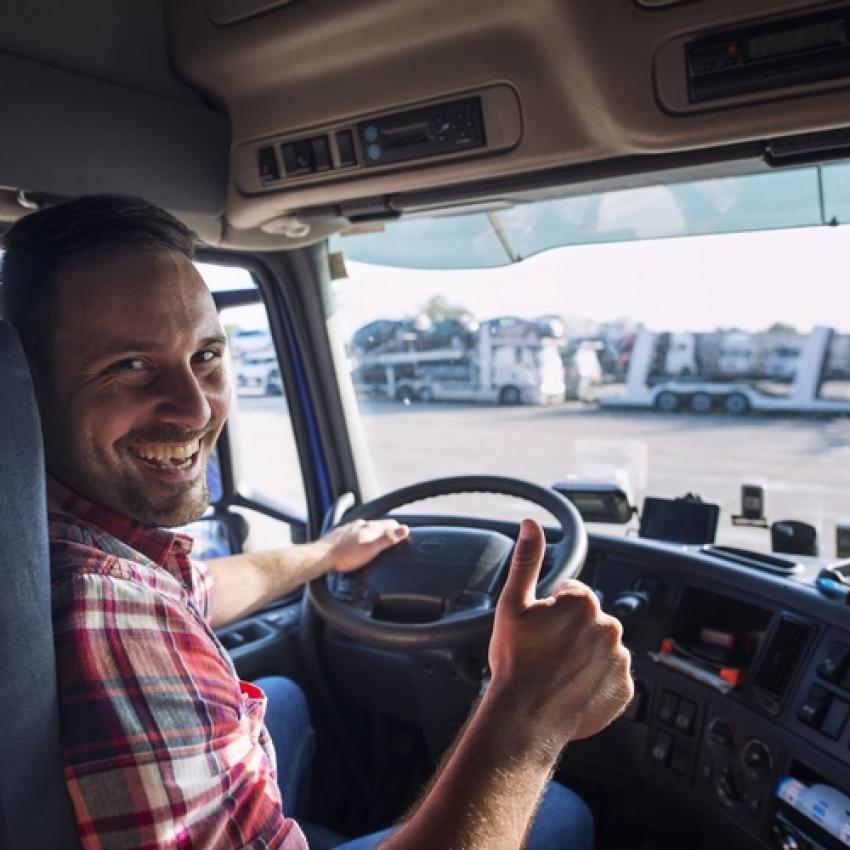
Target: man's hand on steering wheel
x,y
354,544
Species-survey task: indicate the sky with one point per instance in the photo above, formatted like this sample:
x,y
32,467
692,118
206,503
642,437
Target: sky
x,y
743,280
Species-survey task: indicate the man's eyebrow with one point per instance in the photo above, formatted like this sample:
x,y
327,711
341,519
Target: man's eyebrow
x,y
214,339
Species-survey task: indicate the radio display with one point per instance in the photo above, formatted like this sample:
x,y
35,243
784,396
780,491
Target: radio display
x,y
796,40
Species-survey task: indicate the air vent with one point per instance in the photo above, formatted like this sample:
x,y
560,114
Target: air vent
x,y
779,662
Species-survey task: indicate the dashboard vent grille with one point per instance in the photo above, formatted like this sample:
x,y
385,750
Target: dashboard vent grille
x,y
779,662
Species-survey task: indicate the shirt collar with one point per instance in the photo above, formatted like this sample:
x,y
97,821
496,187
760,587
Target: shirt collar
x,y
158,544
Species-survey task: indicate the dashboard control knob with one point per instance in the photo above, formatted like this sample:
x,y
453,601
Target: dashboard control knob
x,y
757,755
721,735
631,605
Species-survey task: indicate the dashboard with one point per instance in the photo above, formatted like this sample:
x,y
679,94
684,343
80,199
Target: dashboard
x,y
743,689
742,683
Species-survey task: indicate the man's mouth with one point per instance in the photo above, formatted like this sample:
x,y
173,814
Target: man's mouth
x,y
167,455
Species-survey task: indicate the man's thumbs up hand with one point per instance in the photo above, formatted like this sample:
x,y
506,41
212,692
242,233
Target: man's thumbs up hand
x,y
559,662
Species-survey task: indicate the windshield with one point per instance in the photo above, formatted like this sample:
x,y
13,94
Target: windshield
x,y
693,365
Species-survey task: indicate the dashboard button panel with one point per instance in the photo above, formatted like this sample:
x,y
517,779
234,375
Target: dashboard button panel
x,y
815,706
835,665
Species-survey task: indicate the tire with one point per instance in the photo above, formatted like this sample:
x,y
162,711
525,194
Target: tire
x,y
701,402
510,396
406,394
736,404
667,401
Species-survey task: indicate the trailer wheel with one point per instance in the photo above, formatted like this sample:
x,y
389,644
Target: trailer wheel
x,y
701,402
510,395
667,402
736,403
406,394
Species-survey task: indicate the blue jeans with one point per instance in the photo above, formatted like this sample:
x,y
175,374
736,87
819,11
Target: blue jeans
x,y
563,821
288,722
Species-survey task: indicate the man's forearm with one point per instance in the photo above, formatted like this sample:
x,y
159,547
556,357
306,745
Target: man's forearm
x,y
244,583
486,794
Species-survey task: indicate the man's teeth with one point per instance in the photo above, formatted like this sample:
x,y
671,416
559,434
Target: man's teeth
x,y
177,455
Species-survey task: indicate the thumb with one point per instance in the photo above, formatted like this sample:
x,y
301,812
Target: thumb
x,y
519,591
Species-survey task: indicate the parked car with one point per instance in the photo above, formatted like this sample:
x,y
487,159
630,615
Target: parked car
x,y
260,370
388,335
781,363
459,333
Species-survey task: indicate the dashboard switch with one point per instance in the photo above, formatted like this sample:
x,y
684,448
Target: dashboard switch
x,y
267,160
345,146
812,711
835,719
661,747
681,758
668,708
321,152
833,666
298,158
684,720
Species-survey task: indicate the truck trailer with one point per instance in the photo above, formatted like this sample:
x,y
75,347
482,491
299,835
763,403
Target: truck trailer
x,y
737,373
495,368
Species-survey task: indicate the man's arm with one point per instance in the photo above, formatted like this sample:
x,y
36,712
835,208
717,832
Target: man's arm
x,y
560,673
244,583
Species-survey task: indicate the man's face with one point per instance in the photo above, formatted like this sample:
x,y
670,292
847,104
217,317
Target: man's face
x,y
138,391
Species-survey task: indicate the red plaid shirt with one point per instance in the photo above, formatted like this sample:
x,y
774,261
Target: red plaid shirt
x,y
163,746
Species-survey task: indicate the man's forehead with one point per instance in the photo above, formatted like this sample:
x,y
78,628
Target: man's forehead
x,y
139,296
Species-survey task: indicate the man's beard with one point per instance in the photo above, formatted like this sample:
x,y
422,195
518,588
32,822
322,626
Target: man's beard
x,y
123,492
180,509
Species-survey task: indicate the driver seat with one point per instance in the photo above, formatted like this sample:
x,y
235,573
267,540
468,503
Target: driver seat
x,y
35,809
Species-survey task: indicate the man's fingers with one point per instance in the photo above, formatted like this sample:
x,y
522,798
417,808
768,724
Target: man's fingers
x,y
520,586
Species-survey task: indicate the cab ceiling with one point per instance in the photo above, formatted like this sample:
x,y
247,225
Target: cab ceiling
x,y
162,98
585,74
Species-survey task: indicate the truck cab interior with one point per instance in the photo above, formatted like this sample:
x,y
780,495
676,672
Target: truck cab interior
x,y
346,165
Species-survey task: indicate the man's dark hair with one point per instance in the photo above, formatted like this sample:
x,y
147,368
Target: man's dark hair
x,y
42,244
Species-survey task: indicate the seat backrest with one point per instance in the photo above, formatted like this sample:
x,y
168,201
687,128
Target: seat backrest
x,y
35,810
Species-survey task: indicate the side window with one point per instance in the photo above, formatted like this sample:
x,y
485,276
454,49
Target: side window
x,y
265,462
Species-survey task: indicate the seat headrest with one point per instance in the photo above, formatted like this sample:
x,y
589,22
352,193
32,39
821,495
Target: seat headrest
x,y
35,809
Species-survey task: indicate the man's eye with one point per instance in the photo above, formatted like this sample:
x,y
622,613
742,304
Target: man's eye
x,y
207,356
132,364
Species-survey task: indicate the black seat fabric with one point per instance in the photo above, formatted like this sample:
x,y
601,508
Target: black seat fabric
x,y
35,810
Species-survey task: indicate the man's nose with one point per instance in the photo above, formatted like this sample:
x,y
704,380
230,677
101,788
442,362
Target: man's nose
x,y
182,400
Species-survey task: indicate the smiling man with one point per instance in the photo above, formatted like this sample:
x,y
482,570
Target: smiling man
x,y
163,746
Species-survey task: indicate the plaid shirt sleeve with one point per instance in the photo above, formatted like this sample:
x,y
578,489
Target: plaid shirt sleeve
x,y
162,747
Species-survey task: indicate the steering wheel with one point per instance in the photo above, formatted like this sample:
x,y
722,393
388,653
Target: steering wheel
x,y
439,587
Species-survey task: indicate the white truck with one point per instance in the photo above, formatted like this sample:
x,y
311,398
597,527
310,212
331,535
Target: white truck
x,y
496,368
741,375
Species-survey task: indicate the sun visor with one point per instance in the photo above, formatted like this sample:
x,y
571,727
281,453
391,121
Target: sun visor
x,y
67,134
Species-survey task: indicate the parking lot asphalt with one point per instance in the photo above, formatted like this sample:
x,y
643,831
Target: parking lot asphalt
x,y
803,463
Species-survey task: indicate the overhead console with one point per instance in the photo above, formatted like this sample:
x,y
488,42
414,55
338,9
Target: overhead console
x,y
759,60
474,124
